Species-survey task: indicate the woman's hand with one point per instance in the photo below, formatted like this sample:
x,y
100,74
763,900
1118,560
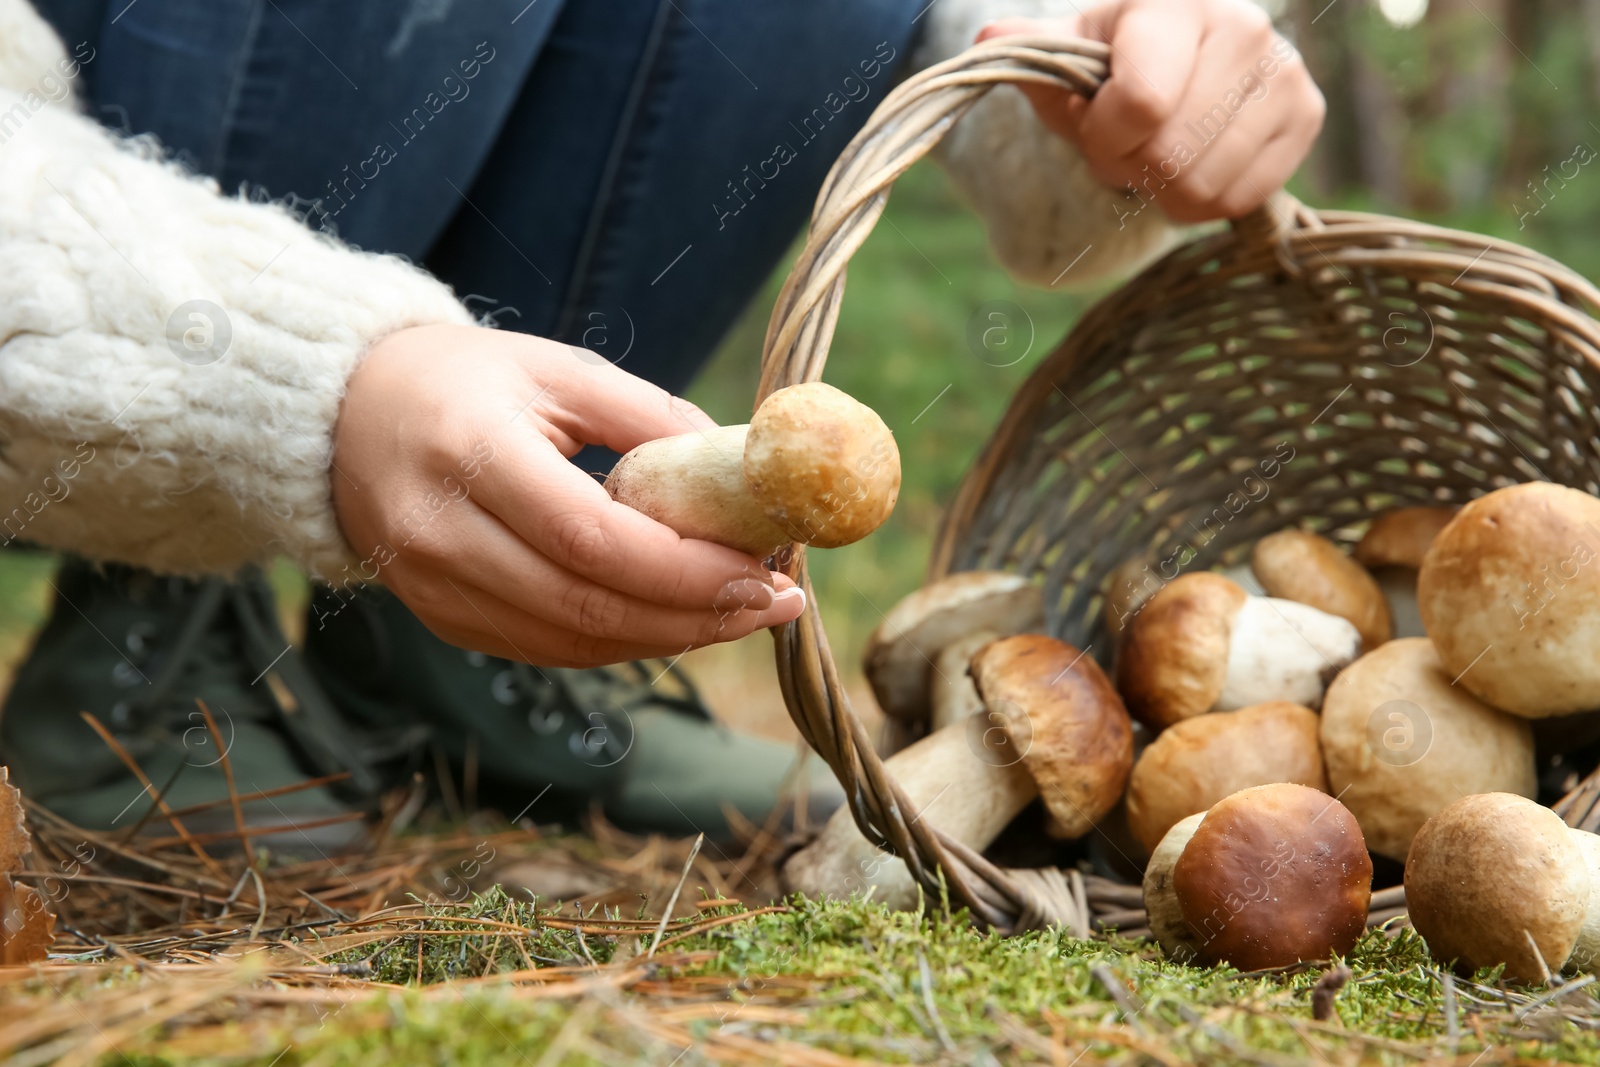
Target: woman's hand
x,y
451,479
1207,109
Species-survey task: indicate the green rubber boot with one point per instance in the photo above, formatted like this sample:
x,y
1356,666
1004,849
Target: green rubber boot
x,y
137,651
544,743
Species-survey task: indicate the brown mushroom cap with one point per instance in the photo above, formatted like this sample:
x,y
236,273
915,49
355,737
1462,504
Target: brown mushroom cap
x,y
1301,566
1510,594
1400,743
900,653
1195,763
1400,538
1126,588
1175,654
1274,875
822,464
1059,709
1161,897
1490,872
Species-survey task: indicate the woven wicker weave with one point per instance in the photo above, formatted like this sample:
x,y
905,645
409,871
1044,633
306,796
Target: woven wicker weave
x,y
1301,367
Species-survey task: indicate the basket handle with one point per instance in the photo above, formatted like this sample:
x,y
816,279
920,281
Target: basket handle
x,y
903,128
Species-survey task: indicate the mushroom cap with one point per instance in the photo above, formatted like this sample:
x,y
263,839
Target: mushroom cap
x,y
1175,653
1510,594
1161,897
1197,762
1490,871
1401,537
1298,565
1060,711
900,653
1400,743
1127,587
822,464
1275,874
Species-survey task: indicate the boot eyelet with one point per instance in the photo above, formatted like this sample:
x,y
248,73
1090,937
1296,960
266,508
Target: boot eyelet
x,y
125,675
504,688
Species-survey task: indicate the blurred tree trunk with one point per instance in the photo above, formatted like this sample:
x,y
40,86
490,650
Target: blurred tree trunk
x,y
1591,24
1469,65
1530,141
1320,31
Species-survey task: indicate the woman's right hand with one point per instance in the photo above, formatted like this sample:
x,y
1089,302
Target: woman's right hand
x,y
452,482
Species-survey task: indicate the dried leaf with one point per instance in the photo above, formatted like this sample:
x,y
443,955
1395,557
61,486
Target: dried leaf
x,y
14,839
27,926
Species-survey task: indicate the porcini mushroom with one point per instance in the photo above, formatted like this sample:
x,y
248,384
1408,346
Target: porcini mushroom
x,y
1269,876
814,465
1510,594
1195,763
1070,739
1392,551
901,660
1061,712
970,794
1161,909
1301,566
1400,538
1203,644
1496,878
952,694
1400,743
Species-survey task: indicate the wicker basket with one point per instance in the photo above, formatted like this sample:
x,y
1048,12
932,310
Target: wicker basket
x,y
1379,362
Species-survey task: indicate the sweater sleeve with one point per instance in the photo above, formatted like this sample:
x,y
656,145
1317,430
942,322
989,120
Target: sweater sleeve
x,y
171,360
1049,221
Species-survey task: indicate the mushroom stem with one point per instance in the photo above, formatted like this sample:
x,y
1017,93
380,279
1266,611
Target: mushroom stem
x,y
969,798
695,484
953,695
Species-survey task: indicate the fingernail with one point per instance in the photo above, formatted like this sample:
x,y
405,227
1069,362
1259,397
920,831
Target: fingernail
x,y
746,593
789,596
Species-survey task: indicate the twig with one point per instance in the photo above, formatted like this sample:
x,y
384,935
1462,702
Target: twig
x,y
138,772
694,850
926,975
233,792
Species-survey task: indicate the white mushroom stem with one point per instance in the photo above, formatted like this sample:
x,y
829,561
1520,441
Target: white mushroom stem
x,y
1586,952
950,787
1283,650
952,694
695,484
1399,586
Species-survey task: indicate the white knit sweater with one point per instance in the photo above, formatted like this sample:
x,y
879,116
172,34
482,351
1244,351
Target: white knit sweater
x,y
124,437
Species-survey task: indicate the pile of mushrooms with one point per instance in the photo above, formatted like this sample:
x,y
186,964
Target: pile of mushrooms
x,y
1403,677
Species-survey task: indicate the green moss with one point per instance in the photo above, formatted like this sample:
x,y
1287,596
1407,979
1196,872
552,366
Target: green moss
x,y
856,980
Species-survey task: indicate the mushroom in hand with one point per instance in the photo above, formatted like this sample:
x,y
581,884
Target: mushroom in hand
x,y
1203,644
1496,878
1301,566
1400,743
1510,594
1195,763
1268,877
814,465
